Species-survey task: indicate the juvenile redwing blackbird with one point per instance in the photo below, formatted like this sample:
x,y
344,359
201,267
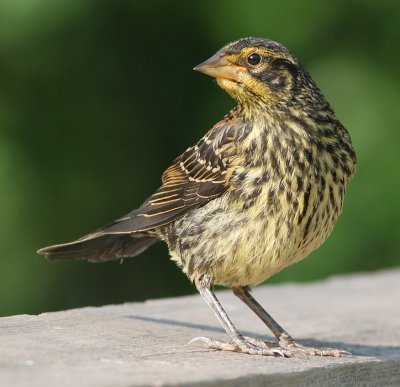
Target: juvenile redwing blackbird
x,y
260,191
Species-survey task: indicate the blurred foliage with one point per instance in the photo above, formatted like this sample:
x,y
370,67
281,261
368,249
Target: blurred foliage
x,y
98,97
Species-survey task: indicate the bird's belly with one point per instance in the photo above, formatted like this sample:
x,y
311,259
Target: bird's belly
x,y
240,245
236,249
253,253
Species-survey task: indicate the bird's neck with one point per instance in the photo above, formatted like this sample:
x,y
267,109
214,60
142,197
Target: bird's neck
x,y
316,133
310,122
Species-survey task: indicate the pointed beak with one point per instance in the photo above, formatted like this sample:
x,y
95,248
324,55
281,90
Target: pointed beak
x,y
219,67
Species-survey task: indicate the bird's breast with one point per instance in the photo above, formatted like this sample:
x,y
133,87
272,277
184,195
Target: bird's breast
x,y
282,202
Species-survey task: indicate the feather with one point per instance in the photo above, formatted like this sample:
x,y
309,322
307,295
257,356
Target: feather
x,y
197,176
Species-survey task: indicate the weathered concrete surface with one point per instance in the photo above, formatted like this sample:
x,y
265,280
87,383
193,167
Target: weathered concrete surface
x,y
146,343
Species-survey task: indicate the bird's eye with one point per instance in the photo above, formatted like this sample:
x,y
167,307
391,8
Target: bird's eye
x,y
254,59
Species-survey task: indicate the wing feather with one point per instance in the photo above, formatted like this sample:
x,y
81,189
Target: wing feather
x,y
199,175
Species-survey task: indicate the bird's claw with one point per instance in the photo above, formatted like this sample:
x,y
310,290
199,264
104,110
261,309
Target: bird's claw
x,y
260,347
242,346
214,344
292,349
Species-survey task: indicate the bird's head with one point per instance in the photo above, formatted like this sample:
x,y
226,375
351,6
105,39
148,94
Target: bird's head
x,y
257,71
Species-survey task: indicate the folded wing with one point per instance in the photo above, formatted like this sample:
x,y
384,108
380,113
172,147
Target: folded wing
x,y
197,176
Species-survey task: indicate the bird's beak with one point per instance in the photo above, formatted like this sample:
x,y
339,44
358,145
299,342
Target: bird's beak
x,y
219,67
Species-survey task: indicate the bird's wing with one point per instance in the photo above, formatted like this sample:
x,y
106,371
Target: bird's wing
x,y
199,175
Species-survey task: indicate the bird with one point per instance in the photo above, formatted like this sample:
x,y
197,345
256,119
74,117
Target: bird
x,y
258,192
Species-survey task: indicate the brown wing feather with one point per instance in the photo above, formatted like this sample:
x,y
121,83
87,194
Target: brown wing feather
x,y
199,175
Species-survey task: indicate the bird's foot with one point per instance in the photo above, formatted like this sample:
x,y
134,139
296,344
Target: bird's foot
x,y
285,348
291,349
242,345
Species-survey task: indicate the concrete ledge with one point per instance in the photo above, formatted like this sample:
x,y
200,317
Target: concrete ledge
x,y
145,344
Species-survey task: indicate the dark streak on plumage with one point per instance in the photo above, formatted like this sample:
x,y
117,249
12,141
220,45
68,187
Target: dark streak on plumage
x,y
299,181
306,198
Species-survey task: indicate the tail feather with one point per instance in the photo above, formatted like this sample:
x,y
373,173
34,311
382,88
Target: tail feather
x,y
100,247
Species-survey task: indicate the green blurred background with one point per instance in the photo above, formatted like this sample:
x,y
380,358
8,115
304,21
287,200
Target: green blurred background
x,y
98,97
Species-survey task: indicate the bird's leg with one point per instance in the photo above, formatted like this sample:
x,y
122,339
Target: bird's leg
x,y
238,343
284,339
286,343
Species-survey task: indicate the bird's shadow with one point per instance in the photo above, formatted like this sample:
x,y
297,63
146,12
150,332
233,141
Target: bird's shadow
x,y
383,352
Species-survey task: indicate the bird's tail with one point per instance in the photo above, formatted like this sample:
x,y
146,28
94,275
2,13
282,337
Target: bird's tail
x,y
114,241
105,247
102,248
